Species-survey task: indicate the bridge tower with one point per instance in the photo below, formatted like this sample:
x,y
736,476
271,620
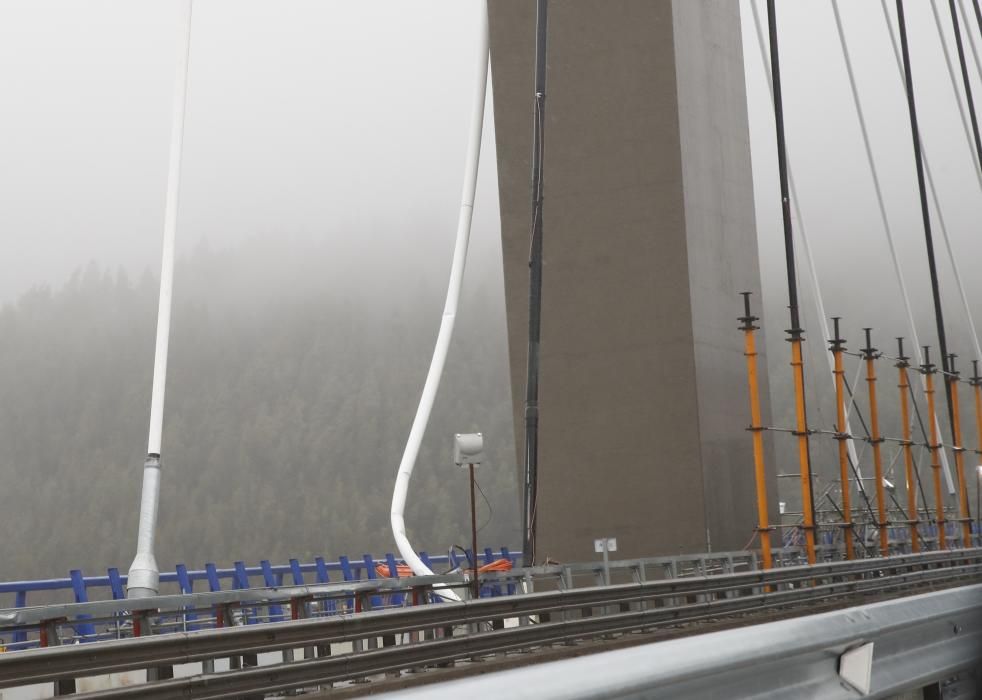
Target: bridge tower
x,y
649,237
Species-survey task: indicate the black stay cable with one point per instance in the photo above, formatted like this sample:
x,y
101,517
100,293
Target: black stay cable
x,y
535,294
925,212
795,332
966,82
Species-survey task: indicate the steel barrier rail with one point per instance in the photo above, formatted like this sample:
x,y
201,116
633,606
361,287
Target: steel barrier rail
x,y
194,603
331,669
66,662
917,641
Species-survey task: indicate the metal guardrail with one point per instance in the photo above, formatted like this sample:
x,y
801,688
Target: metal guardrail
x,y
115,619
917,642
239,576
560,616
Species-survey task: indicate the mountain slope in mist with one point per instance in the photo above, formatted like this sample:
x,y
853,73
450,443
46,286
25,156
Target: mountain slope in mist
x,y
290,396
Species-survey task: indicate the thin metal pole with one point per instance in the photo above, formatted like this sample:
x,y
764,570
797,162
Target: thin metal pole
x,y
976,382
837,346
964,517
795,332
929,371
925,213
760,475
869,354
476,583
143,579
904,386
530,510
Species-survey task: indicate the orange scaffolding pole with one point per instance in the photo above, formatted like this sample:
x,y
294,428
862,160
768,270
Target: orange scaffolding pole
x,y
957,448
757,430
842,435
876,440
908,446
801,431
929,371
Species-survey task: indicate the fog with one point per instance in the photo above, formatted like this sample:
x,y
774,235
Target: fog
x,y
323,160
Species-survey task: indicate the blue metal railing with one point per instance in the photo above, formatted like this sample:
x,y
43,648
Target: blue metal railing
x,y
239,576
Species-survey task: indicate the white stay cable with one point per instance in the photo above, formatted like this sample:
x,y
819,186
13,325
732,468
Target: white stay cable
x,y
144,575
806,249
895,259
967,23
941,225
957,92
449,311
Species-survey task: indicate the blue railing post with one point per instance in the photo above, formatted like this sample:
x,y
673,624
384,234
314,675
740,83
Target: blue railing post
x,y
275,611
81,596
186,586
20,601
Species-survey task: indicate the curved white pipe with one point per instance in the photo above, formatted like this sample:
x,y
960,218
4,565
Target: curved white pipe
x,y
449,310
144,576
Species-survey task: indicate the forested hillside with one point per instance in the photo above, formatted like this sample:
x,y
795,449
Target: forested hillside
x,y
289,399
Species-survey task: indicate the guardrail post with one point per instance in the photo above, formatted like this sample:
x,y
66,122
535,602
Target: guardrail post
x,y
142,627
48,632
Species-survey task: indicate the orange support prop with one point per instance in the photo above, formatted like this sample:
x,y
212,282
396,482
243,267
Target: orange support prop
x,y
876,440
837,346
929,371
801,430
750,350
964,519
909,467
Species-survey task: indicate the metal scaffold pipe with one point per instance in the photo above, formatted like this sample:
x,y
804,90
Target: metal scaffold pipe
x,y
757,429
909,467
432,383
143,579
531,472
837,346
795,332
964,517
935,447
876,440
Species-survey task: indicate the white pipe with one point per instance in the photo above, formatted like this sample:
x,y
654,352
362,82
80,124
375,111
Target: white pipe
x,y
144,575
449,309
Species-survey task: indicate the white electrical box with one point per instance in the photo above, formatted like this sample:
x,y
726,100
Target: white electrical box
x,y
608,543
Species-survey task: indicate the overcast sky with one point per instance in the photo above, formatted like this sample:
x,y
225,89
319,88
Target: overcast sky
x,y
305,117
345,120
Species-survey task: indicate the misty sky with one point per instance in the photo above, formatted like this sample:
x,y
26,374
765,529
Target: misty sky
x,y
346,121
335,120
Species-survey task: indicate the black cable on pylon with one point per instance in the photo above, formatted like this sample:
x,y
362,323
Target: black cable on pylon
x,y
535,293
795,332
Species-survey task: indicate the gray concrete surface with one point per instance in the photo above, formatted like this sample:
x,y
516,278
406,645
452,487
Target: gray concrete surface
x,y
649,237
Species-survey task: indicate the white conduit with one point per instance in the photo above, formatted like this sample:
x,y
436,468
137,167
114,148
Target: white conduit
x,y
944,231
806,249
449,311
144,575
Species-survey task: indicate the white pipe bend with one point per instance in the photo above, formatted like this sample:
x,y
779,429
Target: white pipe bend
x,y
432,383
